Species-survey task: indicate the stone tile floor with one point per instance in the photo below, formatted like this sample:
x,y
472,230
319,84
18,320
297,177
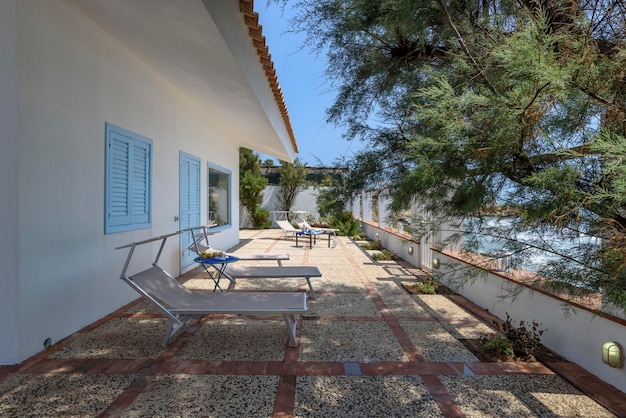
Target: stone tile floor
x,y
366,349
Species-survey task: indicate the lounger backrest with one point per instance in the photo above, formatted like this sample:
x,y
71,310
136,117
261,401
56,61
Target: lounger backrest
x,y
286,226
162,286
200,239
197,248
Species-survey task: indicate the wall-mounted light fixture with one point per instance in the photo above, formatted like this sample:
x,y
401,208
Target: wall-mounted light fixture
x,y
613,354
410,250
436,263
377,235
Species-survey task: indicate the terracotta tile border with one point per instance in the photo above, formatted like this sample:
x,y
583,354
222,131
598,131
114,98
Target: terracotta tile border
x,y
442,397
285,397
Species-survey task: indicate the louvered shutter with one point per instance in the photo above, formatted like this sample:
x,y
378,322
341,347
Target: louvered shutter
x,y
140,184
128,180
189,203
119,182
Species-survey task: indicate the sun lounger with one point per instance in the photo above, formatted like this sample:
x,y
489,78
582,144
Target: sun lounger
x,y
262,257
287,228
304,225
200,236
234,272
179,303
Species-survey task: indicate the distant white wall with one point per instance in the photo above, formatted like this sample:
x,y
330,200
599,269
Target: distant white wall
x,y
72,79
366,206
304,201
405,248
384,218
356,208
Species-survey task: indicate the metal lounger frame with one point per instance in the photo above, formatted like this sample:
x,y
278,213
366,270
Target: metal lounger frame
x,y
165,285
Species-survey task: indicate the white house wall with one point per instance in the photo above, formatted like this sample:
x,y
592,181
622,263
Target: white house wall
x,y
9,209
72,79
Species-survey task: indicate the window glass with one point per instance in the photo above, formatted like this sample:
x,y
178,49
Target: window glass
x,y
219,195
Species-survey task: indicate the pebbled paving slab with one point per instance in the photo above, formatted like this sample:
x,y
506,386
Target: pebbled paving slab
x,y
366,348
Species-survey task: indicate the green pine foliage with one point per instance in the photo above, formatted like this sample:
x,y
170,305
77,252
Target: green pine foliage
x,y
469,105
251,186
293,179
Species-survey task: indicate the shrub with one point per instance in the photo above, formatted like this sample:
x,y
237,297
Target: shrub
x,y
427,287
346,224
373,245
499,346
384,255
359,236
525,341
260,218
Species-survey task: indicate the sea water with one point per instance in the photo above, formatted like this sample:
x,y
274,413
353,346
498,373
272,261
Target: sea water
x,y
536,259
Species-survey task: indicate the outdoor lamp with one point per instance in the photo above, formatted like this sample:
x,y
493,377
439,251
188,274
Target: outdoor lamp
x,y
435,263
613,354
410,250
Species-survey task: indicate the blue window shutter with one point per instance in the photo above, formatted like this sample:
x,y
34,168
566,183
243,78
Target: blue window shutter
x,y
140,185
189,201
128,180
119,182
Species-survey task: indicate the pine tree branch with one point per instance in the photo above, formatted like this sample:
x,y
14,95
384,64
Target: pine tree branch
x,y
464,46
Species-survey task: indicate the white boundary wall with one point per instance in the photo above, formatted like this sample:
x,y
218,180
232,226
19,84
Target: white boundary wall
x,y
577,336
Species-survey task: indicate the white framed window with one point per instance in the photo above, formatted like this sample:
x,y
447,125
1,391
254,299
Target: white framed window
x,y
219,195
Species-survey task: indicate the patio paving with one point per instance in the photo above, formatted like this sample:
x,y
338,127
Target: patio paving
x,y
366,348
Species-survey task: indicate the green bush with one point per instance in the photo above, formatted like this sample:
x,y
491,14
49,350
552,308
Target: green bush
x,y
359,236
261,218
427,287
525,341
346,224
373,245
384,255
499,346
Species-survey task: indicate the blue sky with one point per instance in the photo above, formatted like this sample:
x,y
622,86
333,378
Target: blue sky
x,y
301,77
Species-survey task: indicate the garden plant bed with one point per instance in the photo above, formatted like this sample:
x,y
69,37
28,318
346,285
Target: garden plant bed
x,y
477,348
414,289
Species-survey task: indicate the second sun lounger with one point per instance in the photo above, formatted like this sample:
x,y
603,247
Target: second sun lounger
x,y
200,236
287,228
262,257
234,272
328,231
